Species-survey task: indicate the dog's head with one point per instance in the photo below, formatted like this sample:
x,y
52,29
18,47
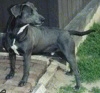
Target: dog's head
x,y
27,14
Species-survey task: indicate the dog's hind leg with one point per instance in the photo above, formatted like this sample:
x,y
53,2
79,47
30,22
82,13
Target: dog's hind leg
x,y
12,57
67,46
26,68
74,69
65,61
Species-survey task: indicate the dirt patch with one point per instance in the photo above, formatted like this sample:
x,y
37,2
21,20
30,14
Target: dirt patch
x,y
60,80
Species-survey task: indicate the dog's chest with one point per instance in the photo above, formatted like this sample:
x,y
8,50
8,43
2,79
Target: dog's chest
x,y
14,46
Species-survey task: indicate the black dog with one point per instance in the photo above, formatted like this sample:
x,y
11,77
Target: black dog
x,y
25,39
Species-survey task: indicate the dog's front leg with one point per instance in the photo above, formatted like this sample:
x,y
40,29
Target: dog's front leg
x,y
26,67
12,57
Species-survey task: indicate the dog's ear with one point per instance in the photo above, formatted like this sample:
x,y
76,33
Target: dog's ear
x,y
16,10
31,5
28,13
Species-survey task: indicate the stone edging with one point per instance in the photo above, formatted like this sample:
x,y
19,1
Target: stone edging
x,y
44,80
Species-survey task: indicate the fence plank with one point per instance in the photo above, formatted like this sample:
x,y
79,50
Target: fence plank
x,y
73,7
57,13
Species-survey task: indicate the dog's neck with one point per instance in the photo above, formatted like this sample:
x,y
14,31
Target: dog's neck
x,y
22,28
14,47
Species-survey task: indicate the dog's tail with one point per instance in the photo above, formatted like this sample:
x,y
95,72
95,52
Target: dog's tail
x,y
72,32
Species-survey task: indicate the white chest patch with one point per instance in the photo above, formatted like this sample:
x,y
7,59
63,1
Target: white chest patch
x,y
22,29
52,53
14,47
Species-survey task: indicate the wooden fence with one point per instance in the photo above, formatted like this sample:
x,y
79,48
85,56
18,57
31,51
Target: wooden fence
x,y
58,13
68,10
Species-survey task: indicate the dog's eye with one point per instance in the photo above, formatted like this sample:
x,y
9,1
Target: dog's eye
x,y
30,13
26,11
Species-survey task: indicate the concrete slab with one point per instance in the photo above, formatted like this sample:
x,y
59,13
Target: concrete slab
x,y
11,85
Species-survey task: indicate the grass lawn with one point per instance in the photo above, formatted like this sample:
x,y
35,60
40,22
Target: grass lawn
x,y
89,61
95,90
89,56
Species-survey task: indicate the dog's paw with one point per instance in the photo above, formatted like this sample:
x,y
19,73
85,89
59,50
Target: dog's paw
x,y
77,87
22,83
9,76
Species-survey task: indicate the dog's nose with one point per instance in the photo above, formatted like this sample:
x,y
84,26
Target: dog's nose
x,y
39,21
42,19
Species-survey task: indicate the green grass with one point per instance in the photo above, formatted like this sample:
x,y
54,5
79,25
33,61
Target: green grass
x,y
89,62
70,89
95,90
89,56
